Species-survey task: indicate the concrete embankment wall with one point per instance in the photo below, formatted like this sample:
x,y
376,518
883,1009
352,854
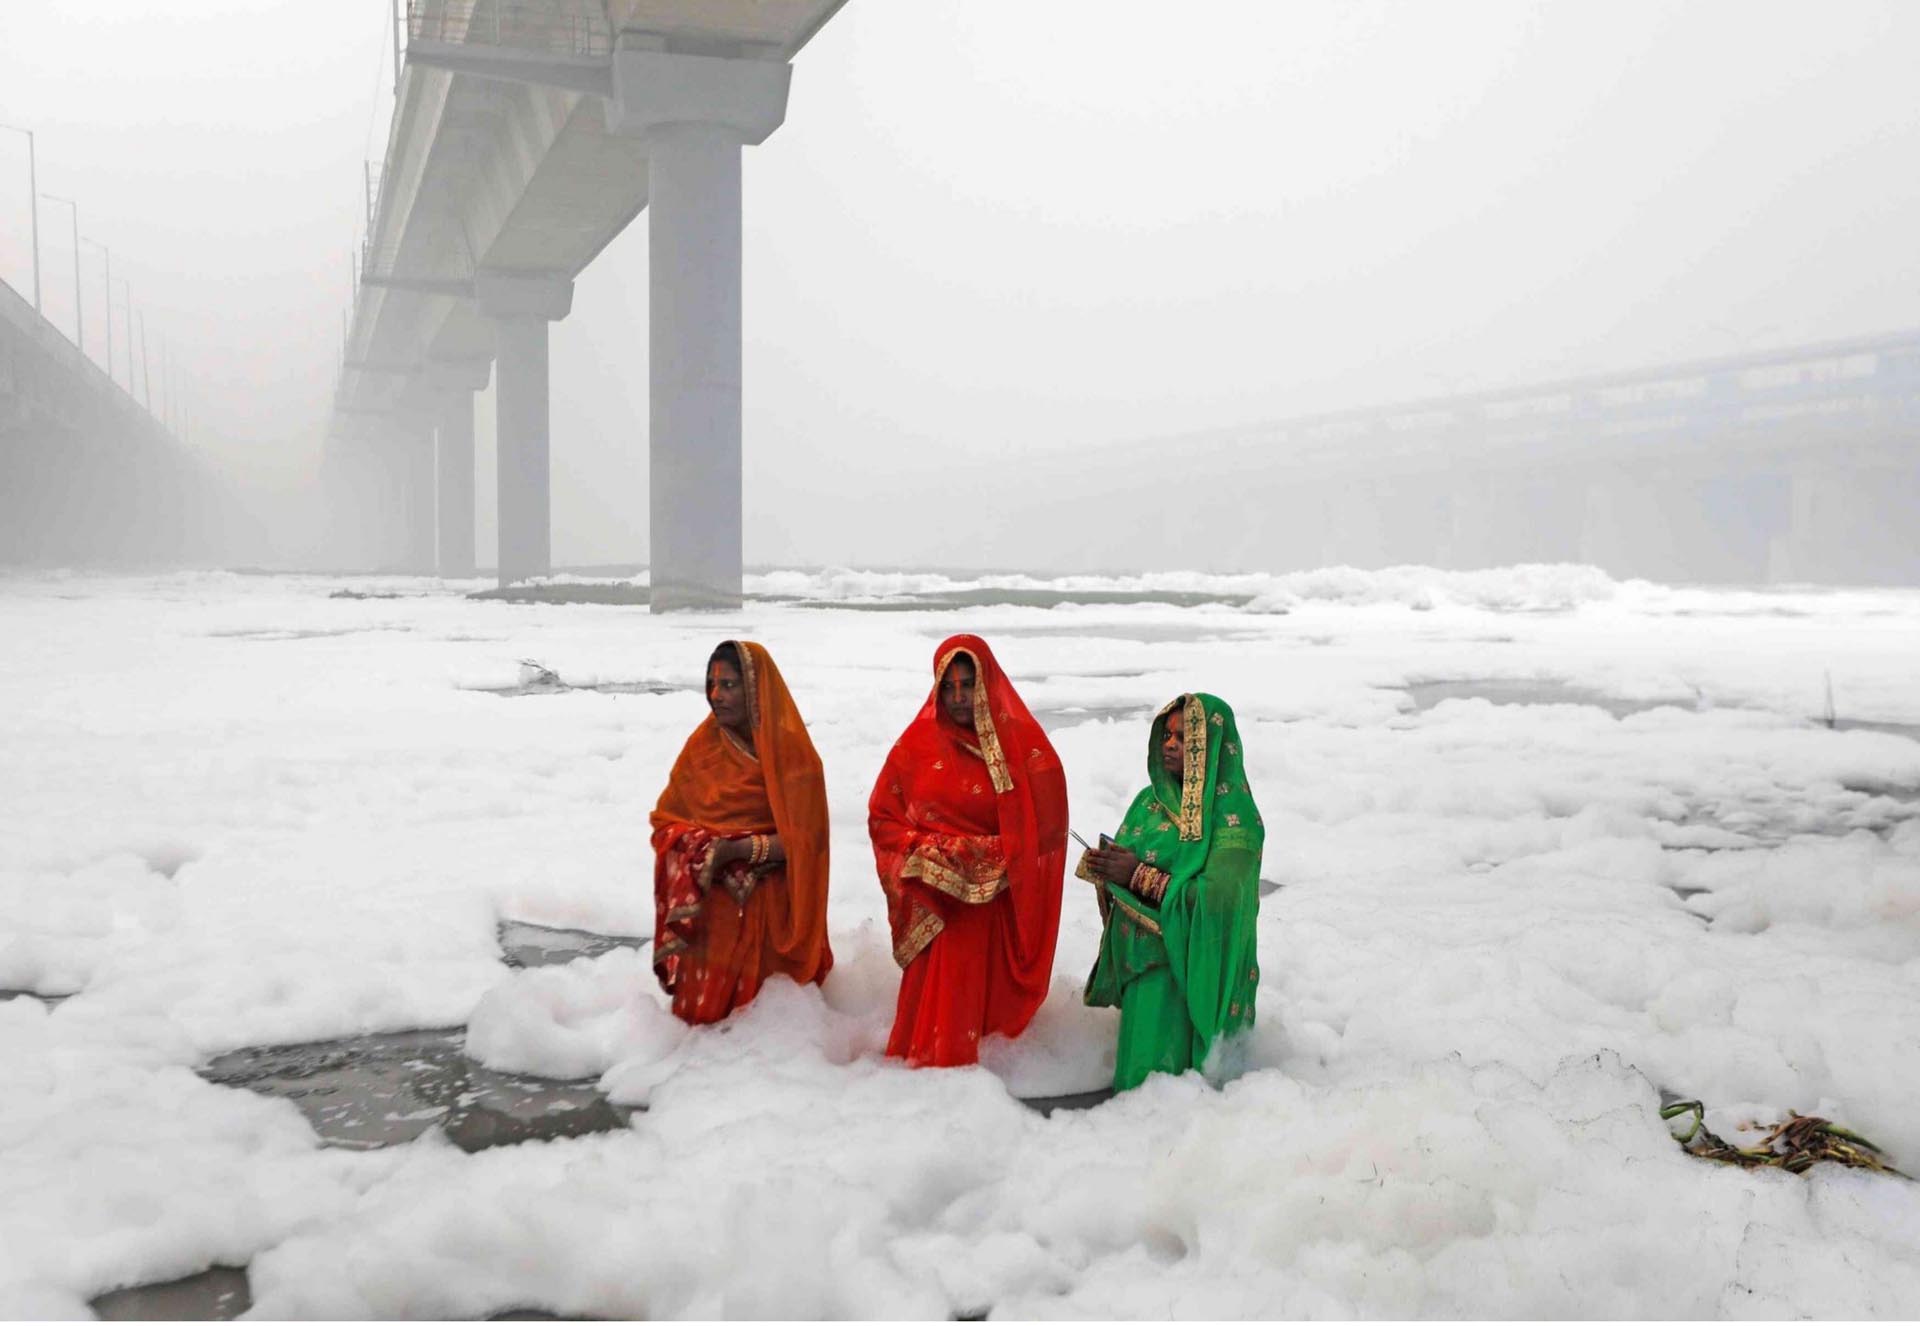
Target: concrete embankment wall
x,y
87,476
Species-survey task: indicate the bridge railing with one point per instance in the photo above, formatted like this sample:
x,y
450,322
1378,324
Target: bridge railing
x,y
558,27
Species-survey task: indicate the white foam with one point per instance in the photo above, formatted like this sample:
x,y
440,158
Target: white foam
x,y
1500,930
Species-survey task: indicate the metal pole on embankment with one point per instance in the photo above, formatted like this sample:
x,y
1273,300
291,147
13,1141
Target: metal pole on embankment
x,y
126,291
33,207
79,314
106,280
106,255
146,364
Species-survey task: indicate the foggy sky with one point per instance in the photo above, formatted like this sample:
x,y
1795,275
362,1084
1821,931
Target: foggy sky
x,y
991,226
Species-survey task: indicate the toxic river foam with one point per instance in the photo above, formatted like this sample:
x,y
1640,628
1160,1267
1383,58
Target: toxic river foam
x,y
1542,846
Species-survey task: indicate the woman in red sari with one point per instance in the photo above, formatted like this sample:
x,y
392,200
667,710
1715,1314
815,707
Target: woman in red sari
x,y
740,843
969,827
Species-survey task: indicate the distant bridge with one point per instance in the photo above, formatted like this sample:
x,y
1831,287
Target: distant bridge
x,y
1799,464
527,134
87,474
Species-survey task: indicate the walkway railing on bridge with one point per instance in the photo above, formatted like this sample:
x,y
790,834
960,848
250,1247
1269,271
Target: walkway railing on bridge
x,y
558,27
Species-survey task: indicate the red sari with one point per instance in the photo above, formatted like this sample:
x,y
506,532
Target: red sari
x,y
970,834
715,940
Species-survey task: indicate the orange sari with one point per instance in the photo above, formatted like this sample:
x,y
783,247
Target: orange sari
x,y
969,833
715,940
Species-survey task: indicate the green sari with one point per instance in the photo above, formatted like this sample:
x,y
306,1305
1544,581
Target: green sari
x,y
1178,957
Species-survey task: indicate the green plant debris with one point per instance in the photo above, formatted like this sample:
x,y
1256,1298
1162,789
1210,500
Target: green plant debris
x,y
1796,1144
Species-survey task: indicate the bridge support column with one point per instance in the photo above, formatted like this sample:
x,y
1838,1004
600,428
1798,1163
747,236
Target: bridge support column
x,y
1853,527
412,468
454,385
694,113
520,306
453,506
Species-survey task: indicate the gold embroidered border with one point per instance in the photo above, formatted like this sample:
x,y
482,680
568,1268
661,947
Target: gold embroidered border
x,y
748,680
666,948
983,728
1085,871
683,913
938,874
919,934
738,744
703,872
990,742
1193,779
1131,909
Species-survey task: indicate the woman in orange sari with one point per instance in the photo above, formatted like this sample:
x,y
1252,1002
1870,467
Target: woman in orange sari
x,y
969,828
740,844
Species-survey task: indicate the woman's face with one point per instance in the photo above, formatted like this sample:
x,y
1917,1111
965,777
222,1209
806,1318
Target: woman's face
x,y
956,691
727,695
1173,746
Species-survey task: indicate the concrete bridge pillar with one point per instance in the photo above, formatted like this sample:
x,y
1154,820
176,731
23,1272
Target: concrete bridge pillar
x,y
411,452
520,306
693,114
453,386
344,538
453,504
378,476
1853,526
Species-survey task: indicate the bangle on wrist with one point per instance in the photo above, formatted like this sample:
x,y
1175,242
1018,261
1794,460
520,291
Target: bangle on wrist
x,y
1149,883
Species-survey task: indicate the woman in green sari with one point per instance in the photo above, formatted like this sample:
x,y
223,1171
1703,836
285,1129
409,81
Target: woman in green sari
x,y
1179,891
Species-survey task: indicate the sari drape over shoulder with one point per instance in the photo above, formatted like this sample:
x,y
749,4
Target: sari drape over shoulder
x,y
1178,956
716,939
969,833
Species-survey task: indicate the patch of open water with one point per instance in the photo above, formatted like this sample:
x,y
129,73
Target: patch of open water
x,y
1077,1100
523,944
284,633
1532,691
952,599
1146,633
220,1293
538,679
1911,731
389,1088
568,688
616,595
51,1001
1074,715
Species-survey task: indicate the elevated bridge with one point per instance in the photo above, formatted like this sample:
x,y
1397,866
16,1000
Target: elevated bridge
x,y
528,133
